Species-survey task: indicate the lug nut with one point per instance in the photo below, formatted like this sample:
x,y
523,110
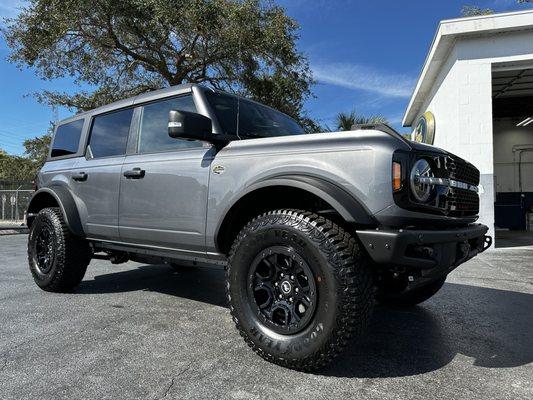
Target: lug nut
x,y
290,298
292,276
280,296
282,275
296,290
276,284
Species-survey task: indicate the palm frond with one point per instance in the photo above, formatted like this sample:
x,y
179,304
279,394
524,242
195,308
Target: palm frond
x,y
345,121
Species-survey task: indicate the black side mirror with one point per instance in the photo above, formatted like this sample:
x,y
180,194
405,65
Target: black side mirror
x,y
189,125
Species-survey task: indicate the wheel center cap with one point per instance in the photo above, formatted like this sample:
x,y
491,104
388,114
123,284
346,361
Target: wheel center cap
x,y
286,287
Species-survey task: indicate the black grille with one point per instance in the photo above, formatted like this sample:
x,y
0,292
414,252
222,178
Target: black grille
x,y
462,202
460,170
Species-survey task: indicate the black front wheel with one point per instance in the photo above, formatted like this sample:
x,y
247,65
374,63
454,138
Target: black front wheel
x,y
298,287
58,259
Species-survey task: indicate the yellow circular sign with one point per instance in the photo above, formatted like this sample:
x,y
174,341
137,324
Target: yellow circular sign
x,y
425,129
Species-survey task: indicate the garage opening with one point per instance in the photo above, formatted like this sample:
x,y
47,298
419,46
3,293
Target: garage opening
x,y
512,101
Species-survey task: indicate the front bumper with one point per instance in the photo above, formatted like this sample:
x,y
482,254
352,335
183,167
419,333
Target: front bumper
x,y
433,252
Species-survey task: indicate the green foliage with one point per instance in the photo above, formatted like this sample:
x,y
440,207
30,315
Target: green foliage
x,y
472,11
345,121
25,168
123,48
36,149
16,168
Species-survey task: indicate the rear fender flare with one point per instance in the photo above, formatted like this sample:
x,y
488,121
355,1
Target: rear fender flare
x,y
66,203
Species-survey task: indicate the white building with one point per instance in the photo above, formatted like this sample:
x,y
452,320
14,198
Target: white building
x,y
477,82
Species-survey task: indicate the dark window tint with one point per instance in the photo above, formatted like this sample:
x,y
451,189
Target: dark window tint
x,y
255,120
109,133
154,125
67,138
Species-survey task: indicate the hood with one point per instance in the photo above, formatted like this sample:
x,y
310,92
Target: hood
x,y
427,147
326,141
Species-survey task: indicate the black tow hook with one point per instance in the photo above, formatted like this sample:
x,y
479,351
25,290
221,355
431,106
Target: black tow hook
x,y
487,242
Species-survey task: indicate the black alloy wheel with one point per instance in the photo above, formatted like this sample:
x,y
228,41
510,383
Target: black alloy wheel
x,y
44,253
282,287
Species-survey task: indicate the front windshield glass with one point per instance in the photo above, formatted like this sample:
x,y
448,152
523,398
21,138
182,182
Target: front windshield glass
x,y
256,120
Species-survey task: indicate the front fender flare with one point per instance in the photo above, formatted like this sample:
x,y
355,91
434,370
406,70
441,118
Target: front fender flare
x,y
349,207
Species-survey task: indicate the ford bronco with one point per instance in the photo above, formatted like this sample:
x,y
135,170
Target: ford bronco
x,y
312,229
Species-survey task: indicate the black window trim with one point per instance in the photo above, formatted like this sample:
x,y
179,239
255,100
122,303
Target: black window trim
x,y
89,133
79,152
137,134
133,133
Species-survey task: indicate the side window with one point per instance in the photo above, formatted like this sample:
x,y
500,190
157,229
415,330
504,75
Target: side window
x,y
109,133
153,134
67,138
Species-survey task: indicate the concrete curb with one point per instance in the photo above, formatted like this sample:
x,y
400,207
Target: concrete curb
x,y
13,231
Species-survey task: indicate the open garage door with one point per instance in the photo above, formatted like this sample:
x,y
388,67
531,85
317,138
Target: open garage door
x,y
512,93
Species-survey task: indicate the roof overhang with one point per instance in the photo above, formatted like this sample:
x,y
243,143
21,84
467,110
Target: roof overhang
x,y
447,34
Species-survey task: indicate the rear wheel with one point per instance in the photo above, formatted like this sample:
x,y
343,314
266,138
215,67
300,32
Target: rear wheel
x,y
57,259
298,287
412,297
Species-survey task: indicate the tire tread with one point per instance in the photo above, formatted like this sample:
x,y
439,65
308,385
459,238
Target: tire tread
x,y
72,254
351,270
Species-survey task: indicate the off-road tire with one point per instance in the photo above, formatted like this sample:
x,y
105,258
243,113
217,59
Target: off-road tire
x,y
343,284
413,297
70,254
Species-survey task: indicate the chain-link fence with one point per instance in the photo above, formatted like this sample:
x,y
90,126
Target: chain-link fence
x,y
13,205
15,185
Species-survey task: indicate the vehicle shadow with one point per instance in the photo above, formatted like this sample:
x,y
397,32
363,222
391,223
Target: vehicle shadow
x,y
493,327
199,284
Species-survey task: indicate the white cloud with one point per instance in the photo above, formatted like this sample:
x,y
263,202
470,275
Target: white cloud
x,y
395,119
360,77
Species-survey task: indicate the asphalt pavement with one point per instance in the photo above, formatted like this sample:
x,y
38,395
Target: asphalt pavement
x,y
135,331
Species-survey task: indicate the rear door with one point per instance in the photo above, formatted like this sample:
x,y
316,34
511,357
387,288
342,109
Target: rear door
x,y
64,153
163,190
97,175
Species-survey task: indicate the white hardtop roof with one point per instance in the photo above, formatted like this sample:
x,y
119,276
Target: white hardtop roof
x,y
444,40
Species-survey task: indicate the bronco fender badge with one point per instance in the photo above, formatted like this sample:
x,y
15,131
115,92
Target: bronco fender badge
x,y
218,169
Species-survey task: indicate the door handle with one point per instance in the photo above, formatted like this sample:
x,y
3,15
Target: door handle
x,y
135,173
80,176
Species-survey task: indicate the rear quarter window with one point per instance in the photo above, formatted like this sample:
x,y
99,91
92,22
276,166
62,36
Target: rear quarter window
x,y
67,138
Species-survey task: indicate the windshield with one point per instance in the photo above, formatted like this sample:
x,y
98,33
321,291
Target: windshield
x,y
256,120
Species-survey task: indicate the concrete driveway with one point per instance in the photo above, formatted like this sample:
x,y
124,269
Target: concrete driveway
x,y
146,332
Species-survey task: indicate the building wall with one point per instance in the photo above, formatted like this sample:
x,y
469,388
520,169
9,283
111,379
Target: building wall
x,y
506,136
461,100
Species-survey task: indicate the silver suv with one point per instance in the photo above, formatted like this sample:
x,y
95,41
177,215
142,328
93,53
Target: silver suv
x,y
312,229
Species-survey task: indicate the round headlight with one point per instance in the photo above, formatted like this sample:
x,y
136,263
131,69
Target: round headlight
x,y
420,189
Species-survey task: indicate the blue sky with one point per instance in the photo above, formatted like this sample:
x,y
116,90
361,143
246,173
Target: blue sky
x,y
365,55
